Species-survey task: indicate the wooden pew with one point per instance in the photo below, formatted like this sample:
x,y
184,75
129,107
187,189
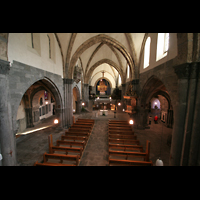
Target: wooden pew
x,y
61,157
123,121
73,138
75,129
52,164
119,125
121,136
120,128
144,155
123,141
52,148
75,133
70,143
81,126
130,162
86,120
122,132
84,123
118,122
125,147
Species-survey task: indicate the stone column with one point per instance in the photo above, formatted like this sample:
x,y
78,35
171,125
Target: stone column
x,y
169,118
78,106
194,154
68,95
180,109
60,116
190,114
7,139
122,97
86,94
29,118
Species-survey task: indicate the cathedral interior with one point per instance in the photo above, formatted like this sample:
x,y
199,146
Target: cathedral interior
x,y
52,82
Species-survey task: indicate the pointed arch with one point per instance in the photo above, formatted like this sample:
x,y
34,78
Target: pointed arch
x,y
108,61
97,39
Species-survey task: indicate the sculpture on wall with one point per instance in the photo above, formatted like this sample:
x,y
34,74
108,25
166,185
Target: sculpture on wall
x,y
130,91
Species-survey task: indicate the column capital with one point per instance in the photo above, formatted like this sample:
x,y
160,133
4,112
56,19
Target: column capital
x,y
135,81
124,85
194,70
182,71
187,70
68,81
4,67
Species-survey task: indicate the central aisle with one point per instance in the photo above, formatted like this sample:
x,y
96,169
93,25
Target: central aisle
x,y
96,151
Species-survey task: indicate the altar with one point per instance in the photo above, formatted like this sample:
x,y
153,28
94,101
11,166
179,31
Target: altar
x,y
102,93
103,111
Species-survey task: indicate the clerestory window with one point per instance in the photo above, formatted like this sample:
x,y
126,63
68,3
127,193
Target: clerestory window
x,y
147,52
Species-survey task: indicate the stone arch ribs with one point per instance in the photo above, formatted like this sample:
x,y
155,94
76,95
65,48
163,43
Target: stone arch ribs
x,y
69,50
96,50
98,39
110,62
154,86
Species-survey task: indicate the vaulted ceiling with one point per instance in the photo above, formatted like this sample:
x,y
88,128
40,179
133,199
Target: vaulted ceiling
x,y
97,51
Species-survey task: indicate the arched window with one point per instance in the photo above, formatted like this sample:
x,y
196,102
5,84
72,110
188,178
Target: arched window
x,y
147,52
49,46
119,80
162,45
166,43
128,72
32,40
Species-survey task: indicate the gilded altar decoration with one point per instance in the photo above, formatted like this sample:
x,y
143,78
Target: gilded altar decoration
x,y
102,87
131,92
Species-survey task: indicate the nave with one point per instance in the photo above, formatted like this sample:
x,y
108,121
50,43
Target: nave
x,y
31,147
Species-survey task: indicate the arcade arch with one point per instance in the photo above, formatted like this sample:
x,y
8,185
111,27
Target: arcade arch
x,y
41,100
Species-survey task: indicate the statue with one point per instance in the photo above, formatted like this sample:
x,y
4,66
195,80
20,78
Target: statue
x,y
130,91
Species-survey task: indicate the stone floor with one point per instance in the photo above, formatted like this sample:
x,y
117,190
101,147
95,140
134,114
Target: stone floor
x,y
96,152
31,147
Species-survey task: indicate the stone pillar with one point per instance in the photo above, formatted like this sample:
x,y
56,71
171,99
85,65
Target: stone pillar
x,y
7,139
86,94
60,116
180,109
189,114
68,95
29,118
78,106
194,153
122,97
169,118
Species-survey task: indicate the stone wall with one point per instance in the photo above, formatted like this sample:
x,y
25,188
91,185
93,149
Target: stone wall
x,y
21,77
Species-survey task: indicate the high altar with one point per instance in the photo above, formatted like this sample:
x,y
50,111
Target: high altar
x,y
102,87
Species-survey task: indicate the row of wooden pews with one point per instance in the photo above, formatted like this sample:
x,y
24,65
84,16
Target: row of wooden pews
x,y
68,150
124,148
